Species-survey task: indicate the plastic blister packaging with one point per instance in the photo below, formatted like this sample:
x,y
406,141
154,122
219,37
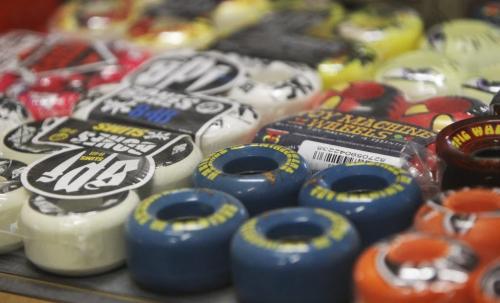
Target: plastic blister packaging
x,y
325,137
50,76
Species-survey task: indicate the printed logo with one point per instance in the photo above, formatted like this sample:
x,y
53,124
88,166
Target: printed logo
x,y
207,73
160,109
101,159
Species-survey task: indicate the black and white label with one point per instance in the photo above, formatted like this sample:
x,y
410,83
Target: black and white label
x,y
58,56
166,110
100,159
321,155
87,173
58,207
10,175
12,44
188,72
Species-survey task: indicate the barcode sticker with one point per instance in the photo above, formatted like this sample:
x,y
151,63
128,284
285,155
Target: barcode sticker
x,y
321,155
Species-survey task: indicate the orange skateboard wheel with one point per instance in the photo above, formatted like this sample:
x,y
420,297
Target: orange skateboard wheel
x,y
415,268
471,215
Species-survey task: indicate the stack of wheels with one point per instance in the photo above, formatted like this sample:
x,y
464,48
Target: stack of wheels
x,y
179,241
471,43
422,74
13,197
379,199
485,288
469,151
76,237
294,255
262,176
390,30
469,214
438,112
415,268
364,98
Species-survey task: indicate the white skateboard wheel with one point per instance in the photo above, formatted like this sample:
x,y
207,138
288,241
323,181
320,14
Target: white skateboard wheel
x,y
12,197
276,89
214,123
76,237
422,74
17,143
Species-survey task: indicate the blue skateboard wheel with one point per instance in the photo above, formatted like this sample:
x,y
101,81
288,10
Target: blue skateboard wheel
x,y
179,241
294,255
261,176
379,199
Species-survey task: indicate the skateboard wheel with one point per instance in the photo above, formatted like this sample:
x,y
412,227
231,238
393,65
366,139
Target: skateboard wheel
x,y
76,237
439,112
415,268
472,43
364,98
179,240
390,30
469,214
379,199
469,150
12,198
422,74
275,89
354,62
261,176
294,255
485,287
